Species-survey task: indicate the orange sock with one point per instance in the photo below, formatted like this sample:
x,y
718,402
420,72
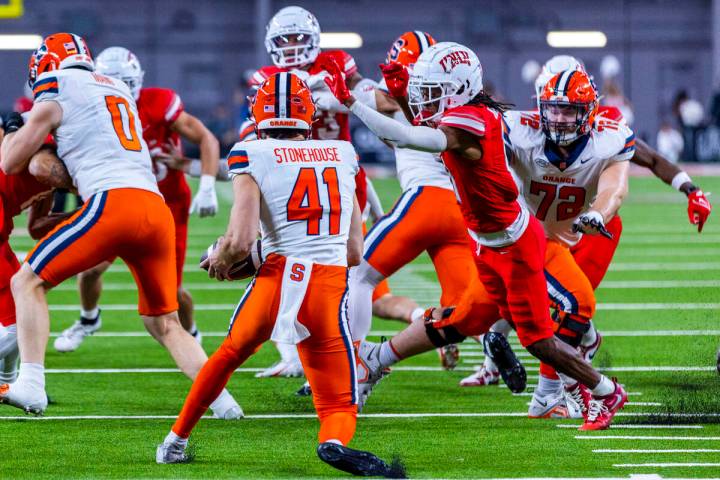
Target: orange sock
x,y
208,384
548,372
337,426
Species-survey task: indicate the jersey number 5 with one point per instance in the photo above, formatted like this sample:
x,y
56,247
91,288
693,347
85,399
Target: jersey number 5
x,y
128,136
571,206
304,202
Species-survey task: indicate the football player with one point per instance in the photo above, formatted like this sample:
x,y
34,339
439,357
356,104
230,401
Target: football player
x,y
293,41
95,124
164,122
446,91
303,193
413,225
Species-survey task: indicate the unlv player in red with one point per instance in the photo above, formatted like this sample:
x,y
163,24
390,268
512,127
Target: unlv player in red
x,y
30,188
164,122
446,91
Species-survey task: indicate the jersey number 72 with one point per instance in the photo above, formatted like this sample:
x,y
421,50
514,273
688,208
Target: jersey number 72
x,y
304,202
573,200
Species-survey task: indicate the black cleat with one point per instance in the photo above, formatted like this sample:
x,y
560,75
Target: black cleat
x,y
718,362
511,370
305,391
357,462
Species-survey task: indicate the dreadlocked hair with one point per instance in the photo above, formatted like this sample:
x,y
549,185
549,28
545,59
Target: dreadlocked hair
x,y
483,98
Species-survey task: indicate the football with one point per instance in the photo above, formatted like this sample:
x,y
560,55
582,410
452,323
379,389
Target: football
x,y
244,268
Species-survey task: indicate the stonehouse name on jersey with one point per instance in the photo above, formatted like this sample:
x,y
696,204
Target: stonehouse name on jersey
x,y
294,155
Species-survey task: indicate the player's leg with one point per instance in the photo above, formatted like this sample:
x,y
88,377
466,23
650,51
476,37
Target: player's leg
x,y
150,255
8,329
250,326
180,209
394,241
389,306
90,289
81,242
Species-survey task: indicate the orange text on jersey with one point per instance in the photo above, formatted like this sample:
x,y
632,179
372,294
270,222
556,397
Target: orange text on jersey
x,y
102,79
293,155
554,179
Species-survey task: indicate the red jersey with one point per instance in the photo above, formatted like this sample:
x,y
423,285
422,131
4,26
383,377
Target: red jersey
x,y
328,125
611,113
487,191
17,192
361,188
158,109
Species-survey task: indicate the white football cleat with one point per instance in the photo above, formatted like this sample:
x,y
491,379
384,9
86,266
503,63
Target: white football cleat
x,y
588,352
171,453
233,413
197,336
552,406
71,338
369,369
578,397
282,368
226,408
449,356
482,377
25,398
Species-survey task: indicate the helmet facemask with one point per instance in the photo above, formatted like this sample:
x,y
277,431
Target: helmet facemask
x,y
564,122
293,49
429,99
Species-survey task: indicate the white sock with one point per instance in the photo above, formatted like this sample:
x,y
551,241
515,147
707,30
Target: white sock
x,y
387,355
175,439
223,402
566,380
605,387
548,386
334,440
32,374
590,336
288,352
502,326
89,314
417,314
8,340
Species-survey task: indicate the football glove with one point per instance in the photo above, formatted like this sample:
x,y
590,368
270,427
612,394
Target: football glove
x,y
336,80
13,122
699,209
205,201
396,78
591,222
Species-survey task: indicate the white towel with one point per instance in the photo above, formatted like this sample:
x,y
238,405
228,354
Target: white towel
x,y
296,278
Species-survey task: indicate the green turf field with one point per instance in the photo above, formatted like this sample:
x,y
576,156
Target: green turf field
x,y
658,308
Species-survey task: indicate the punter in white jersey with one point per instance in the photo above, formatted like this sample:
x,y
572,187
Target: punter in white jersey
x,y
572,171
413,225
99,137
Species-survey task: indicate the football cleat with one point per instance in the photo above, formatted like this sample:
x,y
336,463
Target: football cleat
x,y
449,356
24,398
71,338
588,352
483,376
552,406
171,453
283,369
358,462
511,370
579,396
718,362
601,410
304,391
369,369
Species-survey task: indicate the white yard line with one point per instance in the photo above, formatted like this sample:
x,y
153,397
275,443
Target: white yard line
x,y
241,370
669,450
665,465
630,426
643,437
644,404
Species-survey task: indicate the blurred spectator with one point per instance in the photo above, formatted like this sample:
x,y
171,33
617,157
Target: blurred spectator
x,y
222,126
670,142
688,111
613,97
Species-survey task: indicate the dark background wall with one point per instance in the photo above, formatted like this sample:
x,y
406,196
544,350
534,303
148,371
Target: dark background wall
x,y
203,48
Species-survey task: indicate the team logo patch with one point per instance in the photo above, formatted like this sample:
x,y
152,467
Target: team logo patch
x,y
542,162
268,108
70,48
453,59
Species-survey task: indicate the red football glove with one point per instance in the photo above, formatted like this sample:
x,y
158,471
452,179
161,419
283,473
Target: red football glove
x,y
699,209
396,78
336,80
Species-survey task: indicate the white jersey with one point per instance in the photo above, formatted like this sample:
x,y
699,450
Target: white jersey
x,y
307,188
100,136
555,190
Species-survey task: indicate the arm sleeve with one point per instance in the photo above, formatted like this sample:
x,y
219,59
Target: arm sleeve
x,y
628,150
174,107
405,136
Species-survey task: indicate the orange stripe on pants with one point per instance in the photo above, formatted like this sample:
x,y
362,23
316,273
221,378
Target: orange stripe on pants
x,y
327,355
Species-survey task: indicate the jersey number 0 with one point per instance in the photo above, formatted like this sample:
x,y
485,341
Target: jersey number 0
x,y
304,202
115,105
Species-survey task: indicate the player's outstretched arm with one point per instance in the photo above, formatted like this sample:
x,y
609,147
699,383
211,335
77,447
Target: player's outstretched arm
x,y
355,239
699,206
41,221
193,130
612,190
22,140
242,228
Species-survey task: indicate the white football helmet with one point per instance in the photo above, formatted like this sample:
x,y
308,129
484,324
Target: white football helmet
x,y
293,37
446,75
122,64
552,67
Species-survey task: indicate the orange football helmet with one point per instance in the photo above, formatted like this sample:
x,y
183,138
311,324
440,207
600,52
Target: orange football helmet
x,y
568,106
408,47
283,101
58,51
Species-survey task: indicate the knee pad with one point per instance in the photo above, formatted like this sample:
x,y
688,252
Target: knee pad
x,y
450,334
570,328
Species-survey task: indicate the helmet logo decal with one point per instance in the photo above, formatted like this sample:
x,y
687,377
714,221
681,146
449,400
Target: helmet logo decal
x,y
453,59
